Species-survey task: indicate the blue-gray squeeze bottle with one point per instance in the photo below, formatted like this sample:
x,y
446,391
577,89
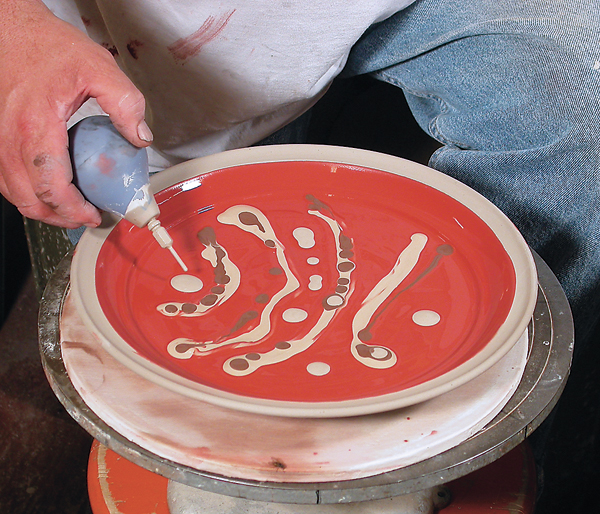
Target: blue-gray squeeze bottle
x,y
113,175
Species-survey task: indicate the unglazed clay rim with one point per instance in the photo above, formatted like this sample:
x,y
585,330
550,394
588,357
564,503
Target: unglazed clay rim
x,y
519,316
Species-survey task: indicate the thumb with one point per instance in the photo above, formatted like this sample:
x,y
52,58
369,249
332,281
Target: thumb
x,y
125,105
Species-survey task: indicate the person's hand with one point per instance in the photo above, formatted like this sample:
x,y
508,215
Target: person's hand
x,y
48,70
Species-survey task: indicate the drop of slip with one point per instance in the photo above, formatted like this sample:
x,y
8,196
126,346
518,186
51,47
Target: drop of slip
x,y
312,260
334,300
426,318
294,315
305,237
318,369
186,283
379,353
315,282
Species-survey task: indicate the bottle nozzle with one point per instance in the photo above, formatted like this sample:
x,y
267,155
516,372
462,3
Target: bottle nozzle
x,y
164,240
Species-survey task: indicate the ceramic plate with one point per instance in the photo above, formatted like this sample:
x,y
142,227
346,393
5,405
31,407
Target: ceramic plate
x,y
322,282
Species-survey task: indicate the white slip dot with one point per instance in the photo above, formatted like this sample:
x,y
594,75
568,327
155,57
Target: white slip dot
x,y
313,261
315,282
426,318
186,283
305,237
318,369
334,300
379,353
294,315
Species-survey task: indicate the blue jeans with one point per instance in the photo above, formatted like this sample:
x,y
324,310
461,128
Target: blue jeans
x,y
511,88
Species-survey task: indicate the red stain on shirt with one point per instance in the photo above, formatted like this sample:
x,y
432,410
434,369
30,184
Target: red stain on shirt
x,y
189,46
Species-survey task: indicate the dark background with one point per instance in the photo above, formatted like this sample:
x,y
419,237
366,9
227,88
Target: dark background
x,y
14,257
43,452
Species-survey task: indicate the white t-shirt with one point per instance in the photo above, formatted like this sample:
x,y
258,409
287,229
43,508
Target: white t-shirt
x,y
223,74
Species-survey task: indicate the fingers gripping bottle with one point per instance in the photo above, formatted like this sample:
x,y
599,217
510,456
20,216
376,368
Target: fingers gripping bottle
x,y
113,175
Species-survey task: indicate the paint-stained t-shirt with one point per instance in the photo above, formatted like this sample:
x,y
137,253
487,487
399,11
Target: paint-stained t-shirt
x,y
223,74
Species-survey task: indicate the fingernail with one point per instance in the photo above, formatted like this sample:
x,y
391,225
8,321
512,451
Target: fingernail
x,y
144,132
92,225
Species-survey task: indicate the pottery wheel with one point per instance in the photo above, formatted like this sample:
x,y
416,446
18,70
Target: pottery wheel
x,y
280,449
306,460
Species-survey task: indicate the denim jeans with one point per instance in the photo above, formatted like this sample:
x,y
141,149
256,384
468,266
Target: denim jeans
x,y
511,88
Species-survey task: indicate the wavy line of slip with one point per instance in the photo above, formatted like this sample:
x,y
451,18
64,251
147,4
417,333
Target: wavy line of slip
x,y
227,278
242,365
255,222
377,356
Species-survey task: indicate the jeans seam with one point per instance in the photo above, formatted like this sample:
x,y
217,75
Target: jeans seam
x,y
565,133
